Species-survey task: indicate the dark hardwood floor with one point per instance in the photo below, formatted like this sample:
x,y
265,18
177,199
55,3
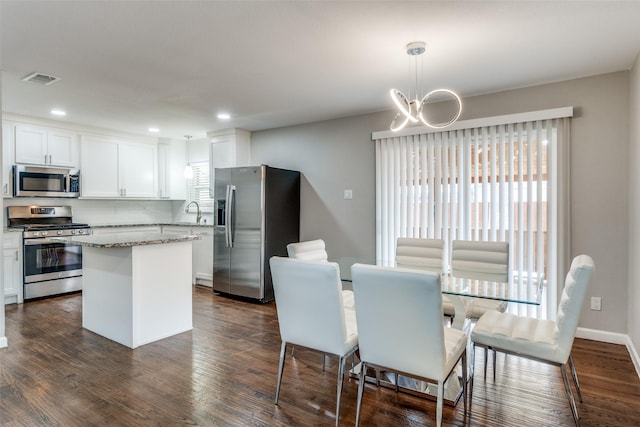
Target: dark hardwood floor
x,y
223,373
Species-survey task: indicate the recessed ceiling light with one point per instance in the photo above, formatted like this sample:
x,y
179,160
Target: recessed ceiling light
x,y
224,116
58,112
154,130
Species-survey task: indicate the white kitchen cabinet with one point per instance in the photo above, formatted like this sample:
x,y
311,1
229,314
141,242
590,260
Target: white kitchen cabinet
x,y
228,148
202,258
7,159
39,145
172,160
115,169
138,164
12,267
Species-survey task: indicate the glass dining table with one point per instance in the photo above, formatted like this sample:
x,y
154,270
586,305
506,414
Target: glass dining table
x,y
521,289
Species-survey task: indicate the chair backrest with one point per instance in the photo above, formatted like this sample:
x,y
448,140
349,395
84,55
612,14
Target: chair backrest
x,y
309,304
570,305
399,317
480,260
311,250
420,254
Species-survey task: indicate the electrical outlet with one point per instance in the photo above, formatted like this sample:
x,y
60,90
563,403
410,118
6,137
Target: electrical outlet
x,y
348,194
596,303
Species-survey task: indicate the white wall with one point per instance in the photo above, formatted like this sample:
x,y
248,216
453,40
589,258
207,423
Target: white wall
x,y
339,154
3,339
634,208
332,156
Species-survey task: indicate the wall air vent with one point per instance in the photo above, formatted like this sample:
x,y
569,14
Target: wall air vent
x,y
41,79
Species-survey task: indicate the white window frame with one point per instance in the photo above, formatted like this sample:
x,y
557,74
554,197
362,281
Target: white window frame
x,y
198,187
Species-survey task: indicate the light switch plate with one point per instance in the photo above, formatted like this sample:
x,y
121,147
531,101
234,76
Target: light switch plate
x,y
348,194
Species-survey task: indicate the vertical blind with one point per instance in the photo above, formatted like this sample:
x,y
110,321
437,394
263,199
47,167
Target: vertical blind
x,y
490,183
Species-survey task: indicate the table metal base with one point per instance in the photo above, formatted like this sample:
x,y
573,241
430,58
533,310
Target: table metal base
x,y
452,387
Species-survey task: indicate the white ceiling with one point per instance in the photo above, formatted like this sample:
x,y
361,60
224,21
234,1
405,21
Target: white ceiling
x,y
128,65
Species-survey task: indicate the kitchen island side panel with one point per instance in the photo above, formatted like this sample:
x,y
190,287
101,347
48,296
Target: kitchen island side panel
x,y
162,292
140,294
106,293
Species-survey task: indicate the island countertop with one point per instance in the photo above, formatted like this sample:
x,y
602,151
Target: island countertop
x,y
125,240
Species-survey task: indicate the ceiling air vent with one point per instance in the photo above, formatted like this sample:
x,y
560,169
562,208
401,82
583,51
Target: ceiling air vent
x,y
40,78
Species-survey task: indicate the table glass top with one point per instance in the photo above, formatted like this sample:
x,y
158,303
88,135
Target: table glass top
x,y
521,289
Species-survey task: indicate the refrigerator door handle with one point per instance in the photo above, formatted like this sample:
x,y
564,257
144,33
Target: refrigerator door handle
x,y
231,189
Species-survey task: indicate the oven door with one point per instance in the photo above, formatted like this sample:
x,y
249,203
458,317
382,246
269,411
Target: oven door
x,y
46,259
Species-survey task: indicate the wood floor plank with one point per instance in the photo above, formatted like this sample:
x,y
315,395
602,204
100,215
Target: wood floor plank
x,y
223,373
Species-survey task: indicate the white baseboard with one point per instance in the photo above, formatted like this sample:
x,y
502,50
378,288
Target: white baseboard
x,y
613,338
3,342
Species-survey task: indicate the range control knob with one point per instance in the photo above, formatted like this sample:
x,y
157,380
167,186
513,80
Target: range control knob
x,y
59,232
73,231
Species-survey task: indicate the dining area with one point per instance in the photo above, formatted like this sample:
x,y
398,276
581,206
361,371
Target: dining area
x,y
415,326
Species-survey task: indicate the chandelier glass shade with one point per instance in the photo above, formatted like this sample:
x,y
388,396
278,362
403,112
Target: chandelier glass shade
x,y
413,110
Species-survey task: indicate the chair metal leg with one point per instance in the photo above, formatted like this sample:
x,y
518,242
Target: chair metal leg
x,y
439,404
495,353
473,362
283,353
486,359
341,365
324,362
567,388
575,378
464,380
397,386
363,370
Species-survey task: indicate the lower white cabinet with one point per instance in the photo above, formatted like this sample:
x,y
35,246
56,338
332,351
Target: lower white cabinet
x,y
12,267
202,265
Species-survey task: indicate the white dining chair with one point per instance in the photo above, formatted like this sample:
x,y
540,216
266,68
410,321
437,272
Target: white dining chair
x,y
481,260
401,328
540,339
311,312
314,250
427,255
311,250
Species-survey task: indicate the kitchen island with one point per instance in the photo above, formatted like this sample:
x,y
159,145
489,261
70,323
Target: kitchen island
x,y
136,286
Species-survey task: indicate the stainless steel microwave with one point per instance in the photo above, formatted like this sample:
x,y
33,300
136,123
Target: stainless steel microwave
x,y
36,181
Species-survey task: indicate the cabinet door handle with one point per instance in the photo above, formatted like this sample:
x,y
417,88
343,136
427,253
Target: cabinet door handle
x,y
17,256
6,189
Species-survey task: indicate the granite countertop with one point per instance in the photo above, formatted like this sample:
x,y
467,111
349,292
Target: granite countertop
x,y
125,240
175,224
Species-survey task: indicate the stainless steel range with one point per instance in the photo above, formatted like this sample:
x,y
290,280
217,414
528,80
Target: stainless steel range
x,y
50,267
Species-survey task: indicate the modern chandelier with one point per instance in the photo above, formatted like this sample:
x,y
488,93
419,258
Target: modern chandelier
x,y
412,110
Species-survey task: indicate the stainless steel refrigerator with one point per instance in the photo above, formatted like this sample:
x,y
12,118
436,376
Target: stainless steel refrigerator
x,y
257,213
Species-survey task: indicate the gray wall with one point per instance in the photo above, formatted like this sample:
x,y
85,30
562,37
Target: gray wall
x,y
634,208
339,154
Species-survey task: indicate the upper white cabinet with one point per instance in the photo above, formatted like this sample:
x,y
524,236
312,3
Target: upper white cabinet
x,y
228,148
114,169
171,164
7,158
39,145
138,164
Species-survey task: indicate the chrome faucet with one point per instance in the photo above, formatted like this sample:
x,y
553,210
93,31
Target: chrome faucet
x,y
198,214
